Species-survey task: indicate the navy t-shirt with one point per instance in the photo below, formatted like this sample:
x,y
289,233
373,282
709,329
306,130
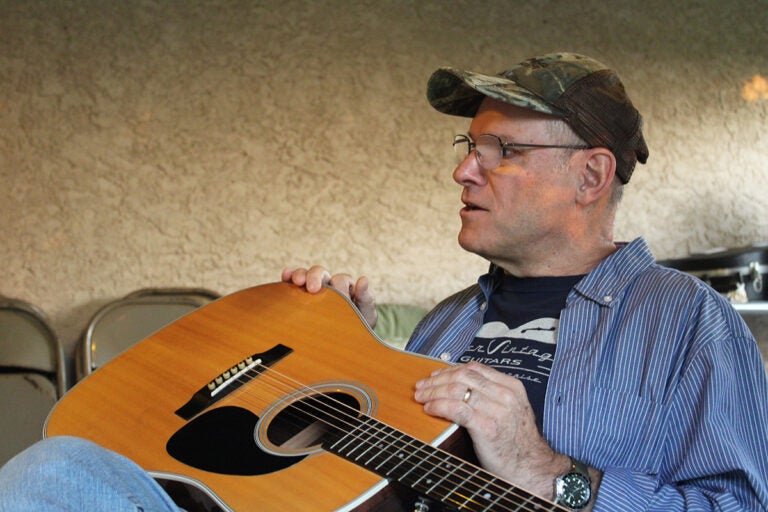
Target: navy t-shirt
x,y
519,333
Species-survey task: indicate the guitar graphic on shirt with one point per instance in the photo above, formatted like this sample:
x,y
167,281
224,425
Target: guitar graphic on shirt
x,y
543,330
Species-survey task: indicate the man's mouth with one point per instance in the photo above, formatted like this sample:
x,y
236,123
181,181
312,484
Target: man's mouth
x,y
471,207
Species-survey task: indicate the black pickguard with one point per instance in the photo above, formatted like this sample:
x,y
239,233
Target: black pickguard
x,y
222,441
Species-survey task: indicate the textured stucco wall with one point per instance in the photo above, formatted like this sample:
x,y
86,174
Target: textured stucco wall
x,y
174,143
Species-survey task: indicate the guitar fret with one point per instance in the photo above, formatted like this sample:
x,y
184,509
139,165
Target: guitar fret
x,y
450,492
471,498
490,499
404,476
487,496
428,472
380,443
353,437
361,437
404,456
521,506
521,503
395,453
441,470
370,447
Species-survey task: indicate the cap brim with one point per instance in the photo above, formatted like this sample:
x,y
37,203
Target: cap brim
x,y
458,92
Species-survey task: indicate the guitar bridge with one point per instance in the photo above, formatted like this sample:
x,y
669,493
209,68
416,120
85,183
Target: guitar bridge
x,y
231,379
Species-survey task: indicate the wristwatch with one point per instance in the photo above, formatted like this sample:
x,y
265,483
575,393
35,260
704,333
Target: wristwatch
x,y
572,488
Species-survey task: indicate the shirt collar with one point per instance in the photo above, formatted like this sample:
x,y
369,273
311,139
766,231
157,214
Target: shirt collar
x,y
604,283
611,277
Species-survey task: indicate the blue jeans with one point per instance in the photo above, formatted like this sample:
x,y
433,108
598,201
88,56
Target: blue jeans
x,y
71,474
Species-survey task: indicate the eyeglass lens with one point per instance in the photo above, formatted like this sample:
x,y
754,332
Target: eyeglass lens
x,y
488,150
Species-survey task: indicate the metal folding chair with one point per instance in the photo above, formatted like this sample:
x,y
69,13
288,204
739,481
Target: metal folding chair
x,y
200,294
121,323
32,374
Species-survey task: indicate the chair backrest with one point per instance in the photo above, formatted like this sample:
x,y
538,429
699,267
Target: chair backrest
x,y
27,399
397,321
32,375
29,343
200,294
755,314
121,323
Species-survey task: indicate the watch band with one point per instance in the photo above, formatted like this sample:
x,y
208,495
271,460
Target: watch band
x,y
579,467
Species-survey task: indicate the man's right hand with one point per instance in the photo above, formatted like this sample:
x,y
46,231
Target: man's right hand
x,y
358,291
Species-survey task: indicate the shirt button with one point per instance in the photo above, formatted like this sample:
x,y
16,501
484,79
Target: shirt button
x,y
483,306
608,298
445,356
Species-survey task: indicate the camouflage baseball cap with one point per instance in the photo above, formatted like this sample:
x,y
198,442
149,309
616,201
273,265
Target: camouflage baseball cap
x,y
583,92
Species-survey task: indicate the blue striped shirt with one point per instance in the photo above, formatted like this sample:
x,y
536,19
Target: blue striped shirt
x,y
657,382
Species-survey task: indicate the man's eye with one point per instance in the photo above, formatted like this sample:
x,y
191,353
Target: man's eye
x,y
508,151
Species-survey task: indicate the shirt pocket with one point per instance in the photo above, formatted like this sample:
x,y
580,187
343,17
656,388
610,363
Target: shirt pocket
x,y
629,431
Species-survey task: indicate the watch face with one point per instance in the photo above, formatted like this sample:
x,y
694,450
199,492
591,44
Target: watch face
x,y
573,490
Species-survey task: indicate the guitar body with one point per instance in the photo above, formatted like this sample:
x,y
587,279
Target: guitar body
x,y
242,448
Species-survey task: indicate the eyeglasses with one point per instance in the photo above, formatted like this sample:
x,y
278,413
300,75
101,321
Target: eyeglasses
x,y
490,150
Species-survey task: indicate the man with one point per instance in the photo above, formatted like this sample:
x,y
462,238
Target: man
x,y
610,383
593,377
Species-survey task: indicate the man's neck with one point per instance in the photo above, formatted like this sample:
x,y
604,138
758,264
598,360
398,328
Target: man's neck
x,y
568,262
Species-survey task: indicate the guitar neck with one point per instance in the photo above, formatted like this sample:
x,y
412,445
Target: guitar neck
x,y
431,472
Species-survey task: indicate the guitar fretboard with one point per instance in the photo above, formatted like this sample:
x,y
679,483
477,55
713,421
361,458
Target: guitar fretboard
x,y
429,471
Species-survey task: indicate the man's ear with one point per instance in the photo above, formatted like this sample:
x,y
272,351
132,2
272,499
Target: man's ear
x,y
598,168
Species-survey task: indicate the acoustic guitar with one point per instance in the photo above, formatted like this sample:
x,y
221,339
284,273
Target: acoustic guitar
x,y
274,399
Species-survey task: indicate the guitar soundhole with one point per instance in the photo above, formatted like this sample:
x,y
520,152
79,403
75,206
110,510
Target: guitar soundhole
x,y
299,424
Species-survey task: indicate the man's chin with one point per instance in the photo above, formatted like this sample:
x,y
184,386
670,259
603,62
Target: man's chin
x,y
470,244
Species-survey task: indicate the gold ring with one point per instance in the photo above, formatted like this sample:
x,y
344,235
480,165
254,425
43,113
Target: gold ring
x,y
467,394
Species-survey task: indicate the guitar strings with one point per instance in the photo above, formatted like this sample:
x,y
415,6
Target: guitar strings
x,y
349,417
311,398
504,492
